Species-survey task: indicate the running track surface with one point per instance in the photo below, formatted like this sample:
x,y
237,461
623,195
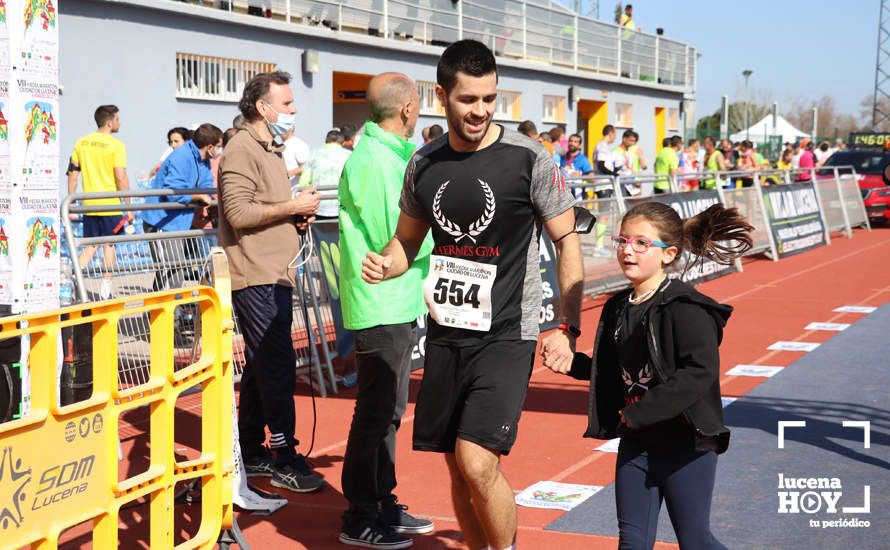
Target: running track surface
x,y
773,301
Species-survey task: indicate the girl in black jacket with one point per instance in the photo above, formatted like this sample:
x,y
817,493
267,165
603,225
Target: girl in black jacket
x,y
654,376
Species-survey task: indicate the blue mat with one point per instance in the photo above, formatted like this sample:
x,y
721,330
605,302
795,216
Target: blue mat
x,y
847,378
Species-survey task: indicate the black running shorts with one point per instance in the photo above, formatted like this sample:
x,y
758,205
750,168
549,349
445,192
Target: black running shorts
x,y
474,393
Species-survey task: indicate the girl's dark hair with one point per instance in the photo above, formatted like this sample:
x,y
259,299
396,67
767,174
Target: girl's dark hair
x,y
719,234
184,132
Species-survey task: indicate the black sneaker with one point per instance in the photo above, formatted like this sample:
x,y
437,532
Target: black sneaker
x,y
297,477
372,534
259,465
400,521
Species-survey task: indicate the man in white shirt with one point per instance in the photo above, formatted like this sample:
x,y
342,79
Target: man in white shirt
x,y
296,154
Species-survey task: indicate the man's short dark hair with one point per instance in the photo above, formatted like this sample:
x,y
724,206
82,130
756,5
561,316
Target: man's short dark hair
x,y
577,136
348,132
636,135
206,134
104,113
528,128
229,134
184,132
629,7
333,136
608,129
676,141
627,134
467,56
257,89
435,131
666,142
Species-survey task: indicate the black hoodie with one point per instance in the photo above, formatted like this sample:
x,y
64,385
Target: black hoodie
x,y
684,329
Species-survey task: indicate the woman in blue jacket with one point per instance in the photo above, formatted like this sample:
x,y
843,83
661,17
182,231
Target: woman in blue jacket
x,y
187,167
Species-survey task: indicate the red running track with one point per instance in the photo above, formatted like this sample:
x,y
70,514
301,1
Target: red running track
x,y
773,301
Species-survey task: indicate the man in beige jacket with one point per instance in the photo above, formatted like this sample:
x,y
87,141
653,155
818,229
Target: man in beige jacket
x,y
258,229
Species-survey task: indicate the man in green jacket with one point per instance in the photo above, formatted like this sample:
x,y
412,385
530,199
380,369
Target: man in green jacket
x,y
383,316
667,164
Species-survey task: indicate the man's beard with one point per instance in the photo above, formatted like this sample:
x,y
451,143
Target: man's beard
x,y
456,125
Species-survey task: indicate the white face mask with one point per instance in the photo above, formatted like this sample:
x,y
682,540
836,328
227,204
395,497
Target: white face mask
x,y
283,125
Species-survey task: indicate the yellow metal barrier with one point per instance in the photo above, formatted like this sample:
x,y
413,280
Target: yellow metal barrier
x,y
58,465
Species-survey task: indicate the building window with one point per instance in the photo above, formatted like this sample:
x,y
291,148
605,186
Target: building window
x,y
508,105
624,115
673,121
554,108
429,103
215,78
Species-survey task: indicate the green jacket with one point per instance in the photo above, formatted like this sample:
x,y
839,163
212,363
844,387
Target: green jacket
x,y
370,187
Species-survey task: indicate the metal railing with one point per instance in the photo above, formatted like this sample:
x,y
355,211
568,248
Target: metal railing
x,y
167,260
608,197
601,195
531,30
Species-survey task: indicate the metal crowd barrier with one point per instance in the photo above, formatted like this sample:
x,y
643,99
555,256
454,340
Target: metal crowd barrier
x,y
609,197
749,202
602,196
847,204
166,260
79,479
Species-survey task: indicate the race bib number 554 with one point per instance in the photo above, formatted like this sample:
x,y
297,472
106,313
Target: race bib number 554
x,y
458,292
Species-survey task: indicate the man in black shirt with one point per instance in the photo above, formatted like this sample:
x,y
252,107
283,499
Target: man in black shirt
x,y
485,192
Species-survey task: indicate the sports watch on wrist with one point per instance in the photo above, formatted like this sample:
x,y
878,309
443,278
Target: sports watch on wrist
x,y
570,329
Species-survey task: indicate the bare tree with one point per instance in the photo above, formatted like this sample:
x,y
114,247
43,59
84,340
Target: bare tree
x,y
866,107
831,122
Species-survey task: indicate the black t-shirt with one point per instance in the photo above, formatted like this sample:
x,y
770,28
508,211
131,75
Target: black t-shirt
x,y
671,436
485,210
633,352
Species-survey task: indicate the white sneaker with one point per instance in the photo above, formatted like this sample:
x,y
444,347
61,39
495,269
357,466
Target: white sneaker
x,y
105,289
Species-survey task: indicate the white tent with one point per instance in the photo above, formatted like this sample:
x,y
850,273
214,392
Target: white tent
x,y
764,127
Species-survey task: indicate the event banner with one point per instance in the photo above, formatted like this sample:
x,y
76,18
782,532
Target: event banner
x,y
29,155
795,218
327,237
29,164
688,205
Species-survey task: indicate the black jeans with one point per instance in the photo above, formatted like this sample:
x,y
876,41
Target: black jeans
x,y
166,253
265,315
383,361
684,482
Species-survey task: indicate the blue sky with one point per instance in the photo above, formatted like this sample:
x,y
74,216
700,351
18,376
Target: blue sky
x,y
796,49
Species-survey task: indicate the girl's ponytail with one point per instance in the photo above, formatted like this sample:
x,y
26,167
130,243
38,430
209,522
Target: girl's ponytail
x,y
719,234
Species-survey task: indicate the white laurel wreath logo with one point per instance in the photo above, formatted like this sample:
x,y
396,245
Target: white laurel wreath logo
x,y
477,227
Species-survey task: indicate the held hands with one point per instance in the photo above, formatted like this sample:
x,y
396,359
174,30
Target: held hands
x,y
306,202
623,419
375,268
558,351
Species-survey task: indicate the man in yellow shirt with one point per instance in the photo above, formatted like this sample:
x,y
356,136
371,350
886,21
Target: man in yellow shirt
x,y
101,159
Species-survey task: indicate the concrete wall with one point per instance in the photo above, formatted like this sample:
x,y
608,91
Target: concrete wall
x,y
125,54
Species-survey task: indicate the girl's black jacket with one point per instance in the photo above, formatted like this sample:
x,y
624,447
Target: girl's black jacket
x,y
683,331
